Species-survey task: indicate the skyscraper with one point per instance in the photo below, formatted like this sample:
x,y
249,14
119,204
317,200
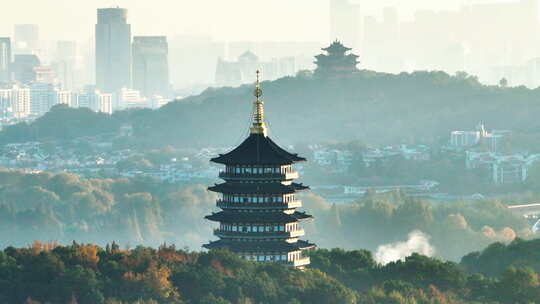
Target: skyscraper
x,y
64,64
23,68
26,38
151,65
5,59
113,50
344,22
43,96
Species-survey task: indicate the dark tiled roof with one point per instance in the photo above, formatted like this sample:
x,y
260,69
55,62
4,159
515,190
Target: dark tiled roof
x,y
258,149
273,246
257,217
257,188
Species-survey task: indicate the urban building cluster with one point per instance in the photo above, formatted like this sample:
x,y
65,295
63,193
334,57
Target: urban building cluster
x,y
103,160
502,169
340,160
484,150
233,73
129,71
478,148
392,42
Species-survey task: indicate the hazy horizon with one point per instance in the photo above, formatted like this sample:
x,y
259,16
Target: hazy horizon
x,y
253,20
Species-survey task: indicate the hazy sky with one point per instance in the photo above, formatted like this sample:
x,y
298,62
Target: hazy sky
x,y
303,20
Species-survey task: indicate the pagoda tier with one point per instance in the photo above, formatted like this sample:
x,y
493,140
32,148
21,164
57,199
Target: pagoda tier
x,y
258,199
273,246
266,189
289,254
336,48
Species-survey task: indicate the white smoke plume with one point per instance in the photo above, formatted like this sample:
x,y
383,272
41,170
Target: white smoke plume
x,y
418,242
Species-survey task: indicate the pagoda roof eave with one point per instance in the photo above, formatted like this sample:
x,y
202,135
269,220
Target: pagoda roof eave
x,y
258,149
261,217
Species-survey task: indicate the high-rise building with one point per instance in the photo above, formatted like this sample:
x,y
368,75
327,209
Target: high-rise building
x,y
105,103
87,98
45,74
7,99
64,64
235,73
345,22
129,98
259,221
196,54
113,50
151,65
23,68
26,38
15,102
5,59
21,105
65,97
43,96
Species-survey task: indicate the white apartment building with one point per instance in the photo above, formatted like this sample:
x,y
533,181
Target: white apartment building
x,y
464,138
15,102
106,103
65,97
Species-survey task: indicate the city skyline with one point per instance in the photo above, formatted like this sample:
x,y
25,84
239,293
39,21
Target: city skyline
x,y
176,18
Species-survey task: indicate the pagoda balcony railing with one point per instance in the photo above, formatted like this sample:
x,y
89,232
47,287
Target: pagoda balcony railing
x,y
250,205
256,176
262,235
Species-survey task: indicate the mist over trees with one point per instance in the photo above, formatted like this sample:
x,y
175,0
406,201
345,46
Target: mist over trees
x,y
65,207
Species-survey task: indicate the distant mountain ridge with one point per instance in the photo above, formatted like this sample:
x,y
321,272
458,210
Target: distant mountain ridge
x,y
369,106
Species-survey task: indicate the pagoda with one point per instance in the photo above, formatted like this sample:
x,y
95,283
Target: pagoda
x,y
258,218
336,63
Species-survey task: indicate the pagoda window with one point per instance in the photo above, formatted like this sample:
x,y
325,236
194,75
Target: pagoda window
x,y
283,257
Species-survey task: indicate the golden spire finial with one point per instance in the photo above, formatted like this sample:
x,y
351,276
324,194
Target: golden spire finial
x,y
258,127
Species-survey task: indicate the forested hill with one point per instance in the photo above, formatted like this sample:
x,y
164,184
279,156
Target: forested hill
x,y
370,107
87,274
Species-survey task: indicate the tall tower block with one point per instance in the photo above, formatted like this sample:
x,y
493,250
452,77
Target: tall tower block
x,y
113,50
